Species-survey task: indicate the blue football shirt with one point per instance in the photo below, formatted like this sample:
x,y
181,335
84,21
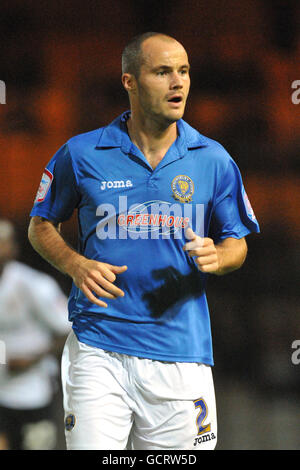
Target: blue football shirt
x,y
130,214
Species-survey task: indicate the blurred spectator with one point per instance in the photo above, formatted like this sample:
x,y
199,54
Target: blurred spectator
x,y
33,327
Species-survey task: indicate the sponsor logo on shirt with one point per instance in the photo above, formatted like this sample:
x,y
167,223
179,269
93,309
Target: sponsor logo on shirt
x,y
115,184
153,216
150,219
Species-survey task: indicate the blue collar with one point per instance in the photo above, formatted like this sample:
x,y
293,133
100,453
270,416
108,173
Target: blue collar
x,y
115,135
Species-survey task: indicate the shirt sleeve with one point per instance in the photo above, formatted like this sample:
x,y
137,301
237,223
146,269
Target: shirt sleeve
x,y
58,194
232,214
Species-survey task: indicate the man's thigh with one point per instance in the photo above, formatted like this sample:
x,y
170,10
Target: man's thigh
x,y
97,412
189,422
159,405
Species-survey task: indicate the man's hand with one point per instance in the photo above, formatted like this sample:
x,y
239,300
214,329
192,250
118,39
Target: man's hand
x,y
226,256
204,250
94,277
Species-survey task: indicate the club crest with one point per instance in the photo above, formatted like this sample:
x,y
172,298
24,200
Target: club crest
x,y
70,422
182,188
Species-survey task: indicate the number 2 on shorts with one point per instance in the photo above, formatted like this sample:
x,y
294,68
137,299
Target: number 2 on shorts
x,y
202,415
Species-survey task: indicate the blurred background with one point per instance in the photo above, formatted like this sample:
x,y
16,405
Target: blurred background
x,y
61,64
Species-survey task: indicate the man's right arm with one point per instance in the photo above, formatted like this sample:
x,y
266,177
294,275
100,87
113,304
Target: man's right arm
x,y
92,277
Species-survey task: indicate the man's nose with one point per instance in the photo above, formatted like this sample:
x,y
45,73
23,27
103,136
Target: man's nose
x,y
176,81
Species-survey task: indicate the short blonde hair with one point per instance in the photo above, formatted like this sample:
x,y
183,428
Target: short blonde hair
x,y
132,58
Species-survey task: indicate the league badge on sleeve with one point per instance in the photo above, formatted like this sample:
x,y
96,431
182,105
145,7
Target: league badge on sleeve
x,y
249,210
44,186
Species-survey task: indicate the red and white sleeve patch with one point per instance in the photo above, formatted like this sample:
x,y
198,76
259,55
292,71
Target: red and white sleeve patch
x,y
44,186
250,211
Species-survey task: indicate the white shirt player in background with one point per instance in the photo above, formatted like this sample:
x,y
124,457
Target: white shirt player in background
x,y
33,322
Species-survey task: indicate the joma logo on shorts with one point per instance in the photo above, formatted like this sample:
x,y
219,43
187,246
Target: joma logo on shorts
x,y
205,438
115,184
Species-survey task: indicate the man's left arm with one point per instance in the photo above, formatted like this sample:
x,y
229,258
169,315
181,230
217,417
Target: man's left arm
x,y
219,259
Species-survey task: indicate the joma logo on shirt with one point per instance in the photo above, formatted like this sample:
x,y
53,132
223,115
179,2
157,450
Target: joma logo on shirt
x,y
115,184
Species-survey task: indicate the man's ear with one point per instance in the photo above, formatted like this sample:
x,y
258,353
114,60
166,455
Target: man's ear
x,y
129,82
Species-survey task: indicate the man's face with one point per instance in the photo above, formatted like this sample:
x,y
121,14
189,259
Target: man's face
x,y
164,82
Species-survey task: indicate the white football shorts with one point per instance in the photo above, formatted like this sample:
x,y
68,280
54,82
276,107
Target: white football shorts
x,y
114,401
